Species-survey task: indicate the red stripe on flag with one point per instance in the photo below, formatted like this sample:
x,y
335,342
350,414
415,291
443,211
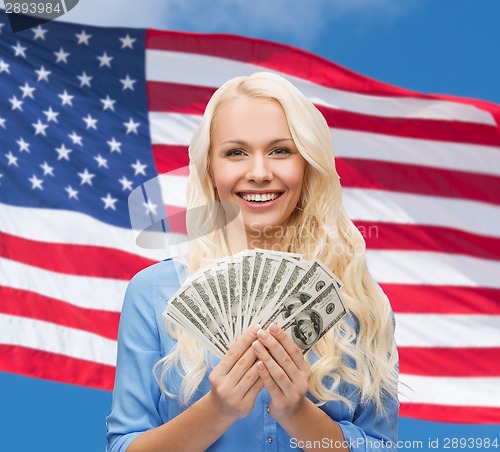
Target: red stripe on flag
x,y
425,129
450,362
50,366
422,180
455,414
412,237
169,157
189,99
32,305
420,299
72,259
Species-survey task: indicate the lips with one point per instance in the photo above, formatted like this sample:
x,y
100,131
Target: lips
x,y
260,197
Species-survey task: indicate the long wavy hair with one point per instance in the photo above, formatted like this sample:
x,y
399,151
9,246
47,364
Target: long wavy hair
x,y
360,349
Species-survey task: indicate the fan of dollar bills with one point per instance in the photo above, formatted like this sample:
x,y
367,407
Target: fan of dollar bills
x,y
218,303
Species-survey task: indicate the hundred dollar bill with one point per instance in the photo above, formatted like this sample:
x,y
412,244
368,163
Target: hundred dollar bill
x,y
265,278
215,289
308,323
210,299
199,308
311,282
287,267
246,273
180,312
221,278
233,294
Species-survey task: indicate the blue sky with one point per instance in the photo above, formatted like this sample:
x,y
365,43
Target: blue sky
x,y
432,46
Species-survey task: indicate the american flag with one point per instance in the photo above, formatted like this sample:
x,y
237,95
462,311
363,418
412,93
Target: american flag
x,y
88,114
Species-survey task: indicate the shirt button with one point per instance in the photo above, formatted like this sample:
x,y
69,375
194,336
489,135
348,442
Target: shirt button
x,y
267,409
269,440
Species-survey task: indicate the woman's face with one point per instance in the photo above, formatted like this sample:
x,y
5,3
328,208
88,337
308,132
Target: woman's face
x,y
256,165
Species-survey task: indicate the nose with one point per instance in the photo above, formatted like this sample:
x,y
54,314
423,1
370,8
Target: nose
x,y
259,169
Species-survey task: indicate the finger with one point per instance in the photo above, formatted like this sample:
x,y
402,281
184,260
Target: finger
x,y
250,382
237,350
289,346
254,390
277,373
241,373
268,381
278,353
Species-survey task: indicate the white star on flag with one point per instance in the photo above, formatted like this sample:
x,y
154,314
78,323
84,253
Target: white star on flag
x,y
108,103
83,38
2,122
43,74
109,202
23,145
91,122
16,103
66,98
4,67
131,126
63,152
114,145
139,168
150,207
126,184
40,128
62,56
86,177
47,169
71,192
19,50
27,90
12,159
51,115
39,32
101,161
128,83
105,60
84,80
127,41
35,182
76,139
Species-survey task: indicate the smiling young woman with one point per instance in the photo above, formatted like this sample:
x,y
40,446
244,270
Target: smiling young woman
x,y
264,147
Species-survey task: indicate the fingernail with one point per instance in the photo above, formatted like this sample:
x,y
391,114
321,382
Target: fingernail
x,y
258,346
275,328
263,334
254,329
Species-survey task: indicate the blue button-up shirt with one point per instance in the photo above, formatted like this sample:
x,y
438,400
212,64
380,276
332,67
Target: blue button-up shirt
x,y
139,405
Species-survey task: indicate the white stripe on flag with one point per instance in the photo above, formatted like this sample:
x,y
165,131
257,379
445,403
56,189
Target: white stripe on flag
x,y
447,330
209,71
59,226
49,337
76,290
405,208
454,391
433,269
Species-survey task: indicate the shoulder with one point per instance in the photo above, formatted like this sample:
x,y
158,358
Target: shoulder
x,y
149,290
165,273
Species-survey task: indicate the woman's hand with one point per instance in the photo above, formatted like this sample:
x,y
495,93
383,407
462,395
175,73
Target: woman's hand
x,y
283,370
235,381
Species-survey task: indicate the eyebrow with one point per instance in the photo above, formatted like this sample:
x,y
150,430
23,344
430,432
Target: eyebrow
x,y
244,143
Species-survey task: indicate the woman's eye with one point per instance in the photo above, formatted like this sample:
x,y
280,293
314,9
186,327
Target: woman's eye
x,y
234,153
281,151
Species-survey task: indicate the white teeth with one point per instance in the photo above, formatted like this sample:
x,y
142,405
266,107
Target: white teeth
x,y
260,197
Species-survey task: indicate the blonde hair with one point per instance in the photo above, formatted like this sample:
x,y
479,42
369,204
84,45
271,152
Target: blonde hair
x,y
362,352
